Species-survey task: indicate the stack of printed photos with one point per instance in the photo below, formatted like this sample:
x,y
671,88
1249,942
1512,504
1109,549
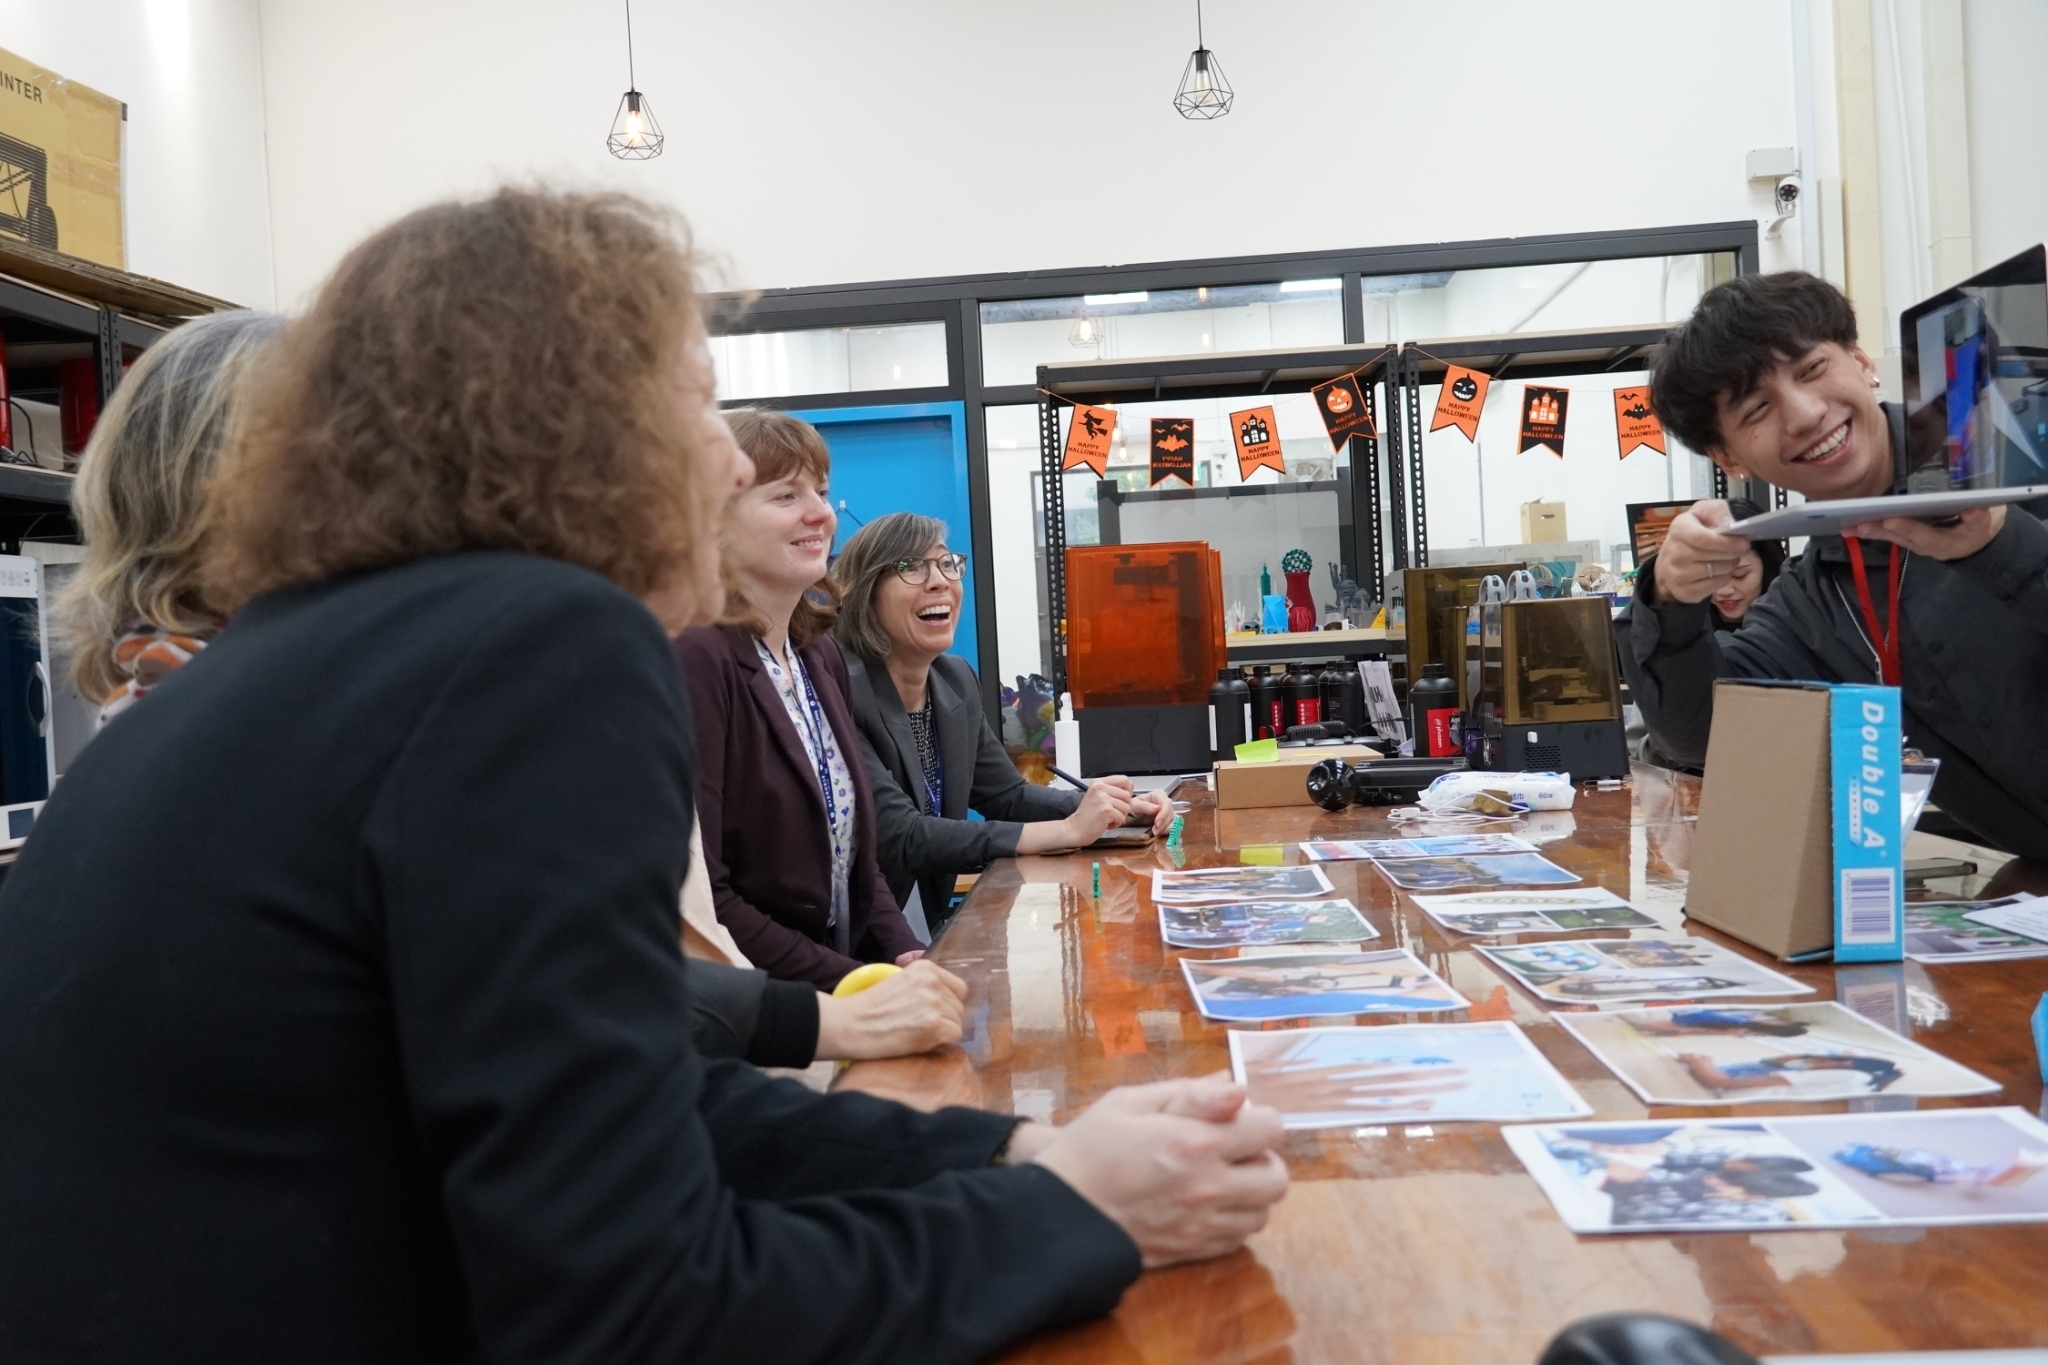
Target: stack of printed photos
x,y
1402,1073
1977,931
1491,914
1447,862
1316,985
1590,971
1752,1054
1826,1171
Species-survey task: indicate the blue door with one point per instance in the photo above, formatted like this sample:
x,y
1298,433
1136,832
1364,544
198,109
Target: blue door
x,y
903,457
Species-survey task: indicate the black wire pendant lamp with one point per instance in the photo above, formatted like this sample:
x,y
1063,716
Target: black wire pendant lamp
x,y
635,135
1203,93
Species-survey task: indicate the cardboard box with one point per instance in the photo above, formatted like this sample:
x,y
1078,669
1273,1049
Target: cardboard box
x,y
1543,522
1283,782
1766,867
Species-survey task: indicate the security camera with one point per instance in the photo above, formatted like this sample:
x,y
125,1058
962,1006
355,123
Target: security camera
x,y
1787,195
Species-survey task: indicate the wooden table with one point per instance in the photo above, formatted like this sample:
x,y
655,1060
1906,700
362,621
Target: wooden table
x,y
1439,1249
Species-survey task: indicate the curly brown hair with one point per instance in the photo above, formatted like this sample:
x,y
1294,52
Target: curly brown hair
x,y
499,374
781,446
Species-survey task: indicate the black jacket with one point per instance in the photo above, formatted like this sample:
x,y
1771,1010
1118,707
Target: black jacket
x,y
342,1020
930,851
1973,660
743,1012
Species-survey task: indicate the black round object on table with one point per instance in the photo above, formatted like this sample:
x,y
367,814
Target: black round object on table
x,y
1640,1339
1329,784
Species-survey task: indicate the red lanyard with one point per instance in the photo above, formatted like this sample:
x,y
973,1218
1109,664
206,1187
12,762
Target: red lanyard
x,y
1886,641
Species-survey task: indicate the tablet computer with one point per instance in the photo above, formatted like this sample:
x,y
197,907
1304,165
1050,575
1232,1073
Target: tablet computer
x,y
1828,518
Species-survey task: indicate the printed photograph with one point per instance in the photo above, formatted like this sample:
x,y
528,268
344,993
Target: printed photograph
x,y
1642,1177
1590,971
1499,869
1316,985
1449,845
1493,913
1223,884
1943,931
1778,1054
1946,1165
1334,1077
1242,924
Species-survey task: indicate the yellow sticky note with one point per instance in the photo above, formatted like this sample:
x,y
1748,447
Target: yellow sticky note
x,y
1259,751
1263,855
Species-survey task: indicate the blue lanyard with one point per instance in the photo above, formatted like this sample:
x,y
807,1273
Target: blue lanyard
x,y
814,721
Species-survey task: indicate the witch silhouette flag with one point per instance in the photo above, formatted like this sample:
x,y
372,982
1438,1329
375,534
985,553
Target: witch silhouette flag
x,y
1256,433
1173,450
1462,398
1543,411
1345,414
1635,424
1088,439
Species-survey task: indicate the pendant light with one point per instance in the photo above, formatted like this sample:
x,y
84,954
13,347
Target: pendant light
x,y
1203,93
635,135
1087,333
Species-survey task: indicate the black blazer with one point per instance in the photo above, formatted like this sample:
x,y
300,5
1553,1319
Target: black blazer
x,y
766,847
342,1020
927,851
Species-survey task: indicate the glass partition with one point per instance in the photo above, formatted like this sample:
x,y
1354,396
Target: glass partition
x,y
909,355
1019,335
1539,298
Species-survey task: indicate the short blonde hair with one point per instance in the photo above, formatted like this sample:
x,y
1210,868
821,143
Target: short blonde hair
x,y
499,374
782,447
140,488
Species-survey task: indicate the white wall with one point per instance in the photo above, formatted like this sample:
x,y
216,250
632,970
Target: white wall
x,y
2006,42
191,73
814,142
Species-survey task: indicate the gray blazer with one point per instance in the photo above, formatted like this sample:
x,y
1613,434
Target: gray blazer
x,y
928,851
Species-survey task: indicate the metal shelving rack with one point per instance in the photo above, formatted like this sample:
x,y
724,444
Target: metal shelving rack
x,y
1231,374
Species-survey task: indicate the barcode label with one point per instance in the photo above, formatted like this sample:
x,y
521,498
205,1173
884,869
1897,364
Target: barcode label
x,y
1869,902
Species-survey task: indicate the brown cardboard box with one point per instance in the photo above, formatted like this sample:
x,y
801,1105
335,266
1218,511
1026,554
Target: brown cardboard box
x,y
1280,783
1543,521
1763,852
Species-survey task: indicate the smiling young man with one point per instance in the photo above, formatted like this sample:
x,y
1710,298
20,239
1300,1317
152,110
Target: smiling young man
x,y
1767,379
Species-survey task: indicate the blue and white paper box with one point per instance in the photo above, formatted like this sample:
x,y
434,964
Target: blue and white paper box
x,y
1865,747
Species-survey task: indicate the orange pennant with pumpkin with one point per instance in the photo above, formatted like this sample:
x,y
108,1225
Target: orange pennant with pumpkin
x,y
1257,435
1462,398
1088,439
1635,423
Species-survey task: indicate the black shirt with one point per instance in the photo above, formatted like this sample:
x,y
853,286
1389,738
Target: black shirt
x,y
342,1018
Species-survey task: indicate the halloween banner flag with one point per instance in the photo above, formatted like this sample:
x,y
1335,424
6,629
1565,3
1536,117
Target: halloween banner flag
x,y
1635,424
1088,439
1344,411
1173,450
1543,411
1257,434
1459,404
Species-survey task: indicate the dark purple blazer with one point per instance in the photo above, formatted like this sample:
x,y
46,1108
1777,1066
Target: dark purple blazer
x,y
765,842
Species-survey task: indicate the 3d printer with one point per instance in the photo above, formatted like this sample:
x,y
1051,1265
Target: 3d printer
x,y
1549,695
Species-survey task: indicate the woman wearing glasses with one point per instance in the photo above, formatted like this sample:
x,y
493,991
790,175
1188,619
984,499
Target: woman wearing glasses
x,y
788,819
930,753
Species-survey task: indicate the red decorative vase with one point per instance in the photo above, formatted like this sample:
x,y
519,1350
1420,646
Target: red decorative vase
x,y
1301,603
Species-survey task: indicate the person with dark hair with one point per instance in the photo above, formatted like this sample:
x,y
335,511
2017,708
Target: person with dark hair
x,y
395,1066
790,834
930,754
1797,1076
1767,380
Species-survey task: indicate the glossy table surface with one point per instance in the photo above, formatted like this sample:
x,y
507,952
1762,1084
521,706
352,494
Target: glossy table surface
x,y
1433,1246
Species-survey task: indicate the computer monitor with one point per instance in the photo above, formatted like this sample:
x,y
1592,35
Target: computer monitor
x,y
1976,380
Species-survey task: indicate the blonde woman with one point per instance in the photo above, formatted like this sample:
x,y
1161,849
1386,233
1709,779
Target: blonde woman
x,y
341,1009
137,609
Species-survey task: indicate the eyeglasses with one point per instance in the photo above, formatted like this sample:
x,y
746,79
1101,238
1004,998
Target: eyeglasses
x,y
919,571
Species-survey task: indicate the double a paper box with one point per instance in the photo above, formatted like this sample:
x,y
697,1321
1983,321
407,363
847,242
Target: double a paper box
x,y
1799,844
1864,735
